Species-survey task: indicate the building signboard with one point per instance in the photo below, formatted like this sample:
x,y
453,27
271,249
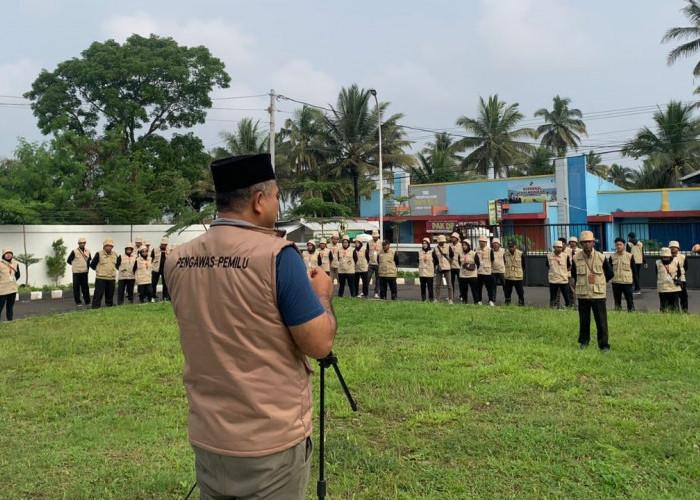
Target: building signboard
x,y
424,198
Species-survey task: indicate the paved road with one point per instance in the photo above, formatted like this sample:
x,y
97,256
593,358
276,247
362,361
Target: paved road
x,y
648,301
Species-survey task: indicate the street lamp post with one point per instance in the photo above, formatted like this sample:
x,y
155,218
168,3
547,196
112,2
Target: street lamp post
x,y
381,175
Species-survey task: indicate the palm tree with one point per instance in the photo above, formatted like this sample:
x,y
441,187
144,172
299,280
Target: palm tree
x,y
595,165
246,140
540,163
651,176
562,126
621,176
674,147
437,162
493,138
692,12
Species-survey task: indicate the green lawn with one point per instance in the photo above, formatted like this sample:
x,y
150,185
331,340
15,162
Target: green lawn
x,y
455,402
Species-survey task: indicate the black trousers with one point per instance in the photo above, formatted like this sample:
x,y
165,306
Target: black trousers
x,y
499,279
636,269
128,286
554,289
426,283
668,301
383,283
374,275
620,289
600,314
508,291
454,277
145,292
350,280
9,302
154,283
469,283
365,283
486,280
683,297
80,285
104,288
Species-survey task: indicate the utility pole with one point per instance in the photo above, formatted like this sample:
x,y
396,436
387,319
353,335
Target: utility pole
x,y
271,110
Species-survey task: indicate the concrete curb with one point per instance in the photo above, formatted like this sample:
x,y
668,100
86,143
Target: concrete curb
x,y
59,294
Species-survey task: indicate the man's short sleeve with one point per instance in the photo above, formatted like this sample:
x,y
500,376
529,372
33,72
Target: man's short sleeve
x,y
297,301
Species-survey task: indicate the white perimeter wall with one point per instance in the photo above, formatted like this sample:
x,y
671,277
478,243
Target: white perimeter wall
x,y
39,239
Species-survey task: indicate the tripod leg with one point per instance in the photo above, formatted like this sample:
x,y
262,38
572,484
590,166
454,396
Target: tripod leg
x,y
321,484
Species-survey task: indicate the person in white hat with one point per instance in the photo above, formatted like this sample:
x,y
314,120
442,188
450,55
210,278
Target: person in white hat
x,y
636,248
571,250
79,261
515,273
427,262
105,264
361,267
325,256
486,259
310,256
591,270
468,277
558,266
668,280
498,268
444,275
622,283
9,274
374,246
388,270
455,264
158,257
142,275
683,262
335,249
127,279
346,267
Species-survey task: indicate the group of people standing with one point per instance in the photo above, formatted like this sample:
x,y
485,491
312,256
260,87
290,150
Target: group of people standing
x,y
138,265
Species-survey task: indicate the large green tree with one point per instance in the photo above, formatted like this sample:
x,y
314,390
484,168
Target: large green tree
x,y
689,33
674,147
562,126
494,140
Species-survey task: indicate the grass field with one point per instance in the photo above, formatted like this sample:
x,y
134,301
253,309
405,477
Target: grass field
x,y
455,402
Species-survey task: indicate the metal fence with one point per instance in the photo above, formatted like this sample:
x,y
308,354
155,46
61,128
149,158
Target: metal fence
x,y
657,234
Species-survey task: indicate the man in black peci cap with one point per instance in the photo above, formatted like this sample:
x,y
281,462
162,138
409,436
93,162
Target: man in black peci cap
x,y
249,313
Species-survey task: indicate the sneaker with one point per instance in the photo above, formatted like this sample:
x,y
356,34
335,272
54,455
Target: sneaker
x,y
449,301
581,347
605,350
491,303
153,300
479,304
360,295
637,292
376,295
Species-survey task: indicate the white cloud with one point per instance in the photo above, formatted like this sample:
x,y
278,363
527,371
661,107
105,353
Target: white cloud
x,y
299,80
16,77
534,34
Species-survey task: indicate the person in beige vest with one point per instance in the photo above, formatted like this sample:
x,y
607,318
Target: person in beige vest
x,y
558,267
138,243
498,268
158,257
668,280
468,276
621,263
127,279
361,256
444,275
9,274
346,267
325,256
79,261
105,264
335,247
486,259
591,270
309,256
571,250
636,248
142,274
374,247
427,262
683,262
455,264
388,270
249,313
515,273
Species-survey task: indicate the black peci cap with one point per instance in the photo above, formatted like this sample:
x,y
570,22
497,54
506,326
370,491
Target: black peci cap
x,y
239,172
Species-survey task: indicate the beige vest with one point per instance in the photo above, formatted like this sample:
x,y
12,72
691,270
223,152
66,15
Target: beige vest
x,y
681,261
426,266
106,266
584,289
8,283
346,264
157,252
664,279
557,274
362,264
143,271
514,265
374,248
499,265
334,249
325,260
126,267
637,252
571,253
456,256
387,266
622,267
443,255
484,261
310,259
247,382
468,258
80,261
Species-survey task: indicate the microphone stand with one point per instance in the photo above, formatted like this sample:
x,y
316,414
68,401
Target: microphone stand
x,y
330,360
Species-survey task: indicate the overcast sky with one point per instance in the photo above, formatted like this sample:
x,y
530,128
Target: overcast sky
x,y
430,60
